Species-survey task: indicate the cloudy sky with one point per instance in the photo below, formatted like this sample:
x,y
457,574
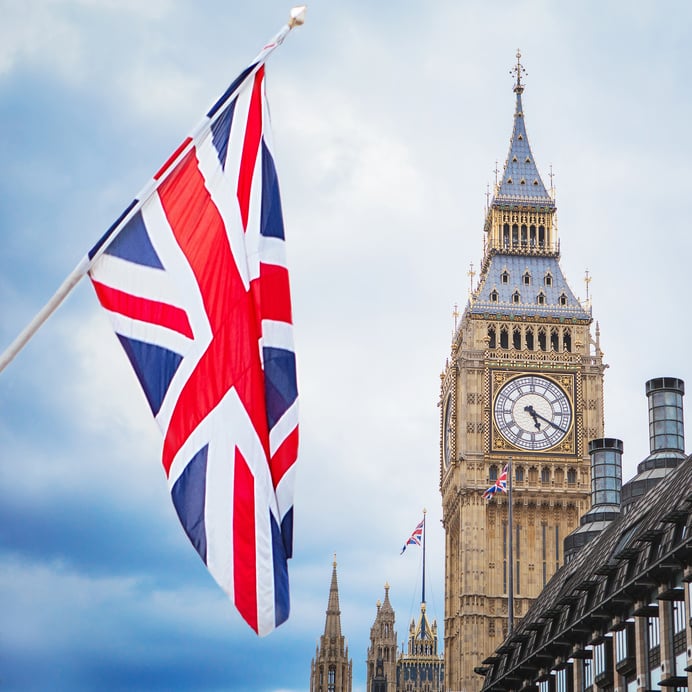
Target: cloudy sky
x,y
388,119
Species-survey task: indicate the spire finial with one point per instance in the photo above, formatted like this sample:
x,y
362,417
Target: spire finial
x,y
518,71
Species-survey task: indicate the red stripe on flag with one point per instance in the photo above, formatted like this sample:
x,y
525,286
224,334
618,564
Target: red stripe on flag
x,y
244,557
284,457
143,309
253,135
273,294
232,358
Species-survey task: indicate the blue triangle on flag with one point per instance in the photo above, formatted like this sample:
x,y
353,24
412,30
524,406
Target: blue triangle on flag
x,y
154,367
134,245
189,494
280,386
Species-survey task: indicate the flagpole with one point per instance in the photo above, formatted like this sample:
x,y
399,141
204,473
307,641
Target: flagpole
x,y
423,590
296,18
510,529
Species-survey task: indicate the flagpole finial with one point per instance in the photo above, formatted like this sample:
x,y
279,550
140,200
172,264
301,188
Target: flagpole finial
x,y
425,511
297,16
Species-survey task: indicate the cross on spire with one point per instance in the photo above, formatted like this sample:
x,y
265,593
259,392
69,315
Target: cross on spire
x,y
517,71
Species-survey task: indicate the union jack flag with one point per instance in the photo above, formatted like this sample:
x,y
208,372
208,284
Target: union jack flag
x,y
415,538
500,485
194,278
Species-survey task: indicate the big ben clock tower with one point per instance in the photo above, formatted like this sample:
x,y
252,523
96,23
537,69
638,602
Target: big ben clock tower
x,y
524,380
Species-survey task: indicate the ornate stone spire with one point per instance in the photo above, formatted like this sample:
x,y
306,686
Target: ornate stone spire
x,y
521,181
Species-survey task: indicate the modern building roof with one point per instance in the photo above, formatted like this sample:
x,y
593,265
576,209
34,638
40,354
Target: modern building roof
x,y
605,580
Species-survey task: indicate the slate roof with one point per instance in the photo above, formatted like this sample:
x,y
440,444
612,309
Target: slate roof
x,y
521,182
516,267
601,581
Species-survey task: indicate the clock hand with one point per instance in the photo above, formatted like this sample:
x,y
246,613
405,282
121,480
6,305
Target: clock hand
x,y
538,415
533,414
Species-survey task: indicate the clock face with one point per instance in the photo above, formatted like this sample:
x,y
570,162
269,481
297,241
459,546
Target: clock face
x,y
447,431
532,412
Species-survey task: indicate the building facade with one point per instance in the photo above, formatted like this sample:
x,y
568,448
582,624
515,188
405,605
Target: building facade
x,y
331,670
618,615
524,379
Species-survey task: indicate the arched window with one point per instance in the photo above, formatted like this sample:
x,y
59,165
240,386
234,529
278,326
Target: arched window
x,y
515,235
519,474
567,341
559,476
524,234
532,235
554,341
571,476
528,337
541,298
504,277
526,279
505,235
548,279
492,341
545,475
563,299
516,297
516,338
542,340
493,296
492,473
541,236
504,337
533,475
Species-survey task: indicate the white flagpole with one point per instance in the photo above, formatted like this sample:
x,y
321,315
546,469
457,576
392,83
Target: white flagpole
x,y
296,18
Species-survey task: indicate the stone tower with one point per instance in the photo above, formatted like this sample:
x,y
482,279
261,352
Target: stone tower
x,y
524,380
381,660
331,670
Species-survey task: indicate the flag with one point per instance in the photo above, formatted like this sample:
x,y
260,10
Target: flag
x,y
415,538
194,278
500,485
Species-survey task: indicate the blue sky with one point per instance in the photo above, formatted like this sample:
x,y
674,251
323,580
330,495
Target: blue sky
x,y
388,119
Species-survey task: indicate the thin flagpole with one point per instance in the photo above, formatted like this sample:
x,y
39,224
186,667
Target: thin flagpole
x,y
296,18
423,588
510,528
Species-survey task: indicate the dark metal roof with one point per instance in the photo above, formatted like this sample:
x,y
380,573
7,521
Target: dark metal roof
x,y
603,594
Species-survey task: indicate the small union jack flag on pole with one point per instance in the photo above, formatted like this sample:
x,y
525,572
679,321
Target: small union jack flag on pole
x,y
194,278
499,486
415,538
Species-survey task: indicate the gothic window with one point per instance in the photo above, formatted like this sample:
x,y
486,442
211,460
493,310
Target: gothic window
x,y
567,341
559,476
524,236
542,340
541,298
526,279
516,338
533,474
504,277
504,338
545,475
515,235
529,338
532,235
571,476
554,341
563,299
493,296
492,343
548,279
492,473
505,235
516,297
541,236
331,680
519,474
